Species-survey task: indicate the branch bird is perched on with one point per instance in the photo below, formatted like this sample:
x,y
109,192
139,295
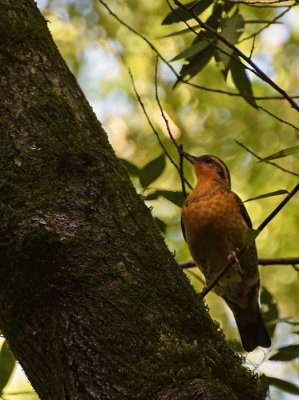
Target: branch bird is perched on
x,y
214,221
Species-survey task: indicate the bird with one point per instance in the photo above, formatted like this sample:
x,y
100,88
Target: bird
x,y
214,224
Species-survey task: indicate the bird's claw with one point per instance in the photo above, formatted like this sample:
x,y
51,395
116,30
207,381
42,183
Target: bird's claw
x,y
233,257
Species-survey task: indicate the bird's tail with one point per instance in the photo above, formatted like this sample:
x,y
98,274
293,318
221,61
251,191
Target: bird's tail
x,y
253,334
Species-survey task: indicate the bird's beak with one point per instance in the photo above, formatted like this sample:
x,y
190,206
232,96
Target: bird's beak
x,y
188,157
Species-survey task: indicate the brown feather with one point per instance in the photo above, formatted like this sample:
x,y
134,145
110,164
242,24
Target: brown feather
x,y
214,221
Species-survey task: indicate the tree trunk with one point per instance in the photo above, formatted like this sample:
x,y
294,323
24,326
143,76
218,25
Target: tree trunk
x,y
92,303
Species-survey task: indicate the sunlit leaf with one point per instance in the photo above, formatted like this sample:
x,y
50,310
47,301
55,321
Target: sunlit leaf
x,y
286,353
131,168
181,32
179,14
281,384
7,364
282,153
194,49
151,171
241,80
270,194
231,31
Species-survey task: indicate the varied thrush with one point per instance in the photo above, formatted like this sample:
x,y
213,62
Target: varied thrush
x,y
214,222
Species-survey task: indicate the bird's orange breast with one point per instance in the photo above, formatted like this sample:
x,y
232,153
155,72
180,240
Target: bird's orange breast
x,y
213,225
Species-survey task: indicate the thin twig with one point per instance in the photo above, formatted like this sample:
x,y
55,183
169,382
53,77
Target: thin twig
x,y
188,264
278,208
256,69
278,118
151,124
247,59
252,47
267,162
262,3
145,39
161,108
209,40
238,252
279,261
183,179
295,268
261,261
197,277
19,393
228,93
269,23
204,88
182,171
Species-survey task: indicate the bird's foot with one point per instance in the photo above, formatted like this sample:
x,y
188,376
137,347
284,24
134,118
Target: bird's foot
x,y
233,257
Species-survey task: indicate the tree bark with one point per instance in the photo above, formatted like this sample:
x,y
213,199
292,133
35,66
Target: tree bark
x,y
92,303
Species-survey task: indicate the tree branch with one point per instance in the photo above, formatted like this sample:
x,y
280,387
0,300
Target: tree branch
x,y
265,3
178,77
258,72
267,162
268,23
262,261
151,124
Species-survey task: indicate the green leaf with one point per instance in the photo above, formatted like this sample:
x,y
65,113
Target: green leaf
x,y
196,63
131,168
231,31
175,197
179,14
286,353
191,51
7,364
214,20
181,32
270,194
282,153
151,196
280,384
241,80
151,171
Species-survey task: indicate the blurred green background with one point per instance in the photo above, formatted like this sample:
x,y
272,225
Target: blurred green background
x,y
99,50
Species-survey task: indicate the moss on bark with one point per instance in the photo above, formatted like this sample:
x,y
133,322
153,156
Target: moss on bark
x,y
92,302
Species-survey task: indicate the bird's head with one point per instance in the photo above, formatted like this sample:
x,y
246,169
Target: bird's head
x,y
208,167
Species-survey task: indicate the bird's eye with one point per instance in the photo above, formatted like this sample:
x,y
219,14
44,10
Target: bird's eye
x,y
208,160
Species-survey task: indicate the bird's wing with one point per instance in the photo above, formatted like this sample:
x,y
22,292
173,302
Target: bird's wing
x,y
244,212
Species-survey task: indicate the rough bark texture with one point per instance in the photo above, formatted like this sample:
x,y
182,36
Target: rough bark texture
x,y
92,303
